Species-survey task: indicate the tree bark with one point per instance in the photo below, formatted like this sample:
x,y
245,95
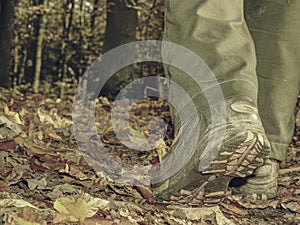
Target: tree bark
x,y
120,26
39,49
94,14
120,29
6,35
16,61
66,37
21,78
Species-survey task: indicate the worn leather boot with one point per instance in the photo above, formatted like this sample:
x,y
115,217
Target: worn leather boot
x,y
242,149
262,184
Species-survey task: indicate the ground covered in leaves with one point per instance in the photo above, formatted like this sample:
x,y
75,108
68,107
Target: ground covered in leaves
x,y
44,178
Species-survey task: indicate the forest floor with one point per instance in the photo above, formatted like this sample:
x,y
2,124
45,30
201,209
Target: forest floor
x,y
44,178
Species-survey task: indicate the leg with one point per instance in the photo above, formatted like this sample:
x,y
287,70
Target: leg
x,y
274,26
216,31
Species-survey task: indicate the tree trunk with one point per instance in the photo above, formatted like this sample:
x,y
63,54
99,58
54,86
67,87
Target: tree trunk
x,y
21,78
39,49
81,15
120,26
6,34
94,14
120,29
66,37
16,61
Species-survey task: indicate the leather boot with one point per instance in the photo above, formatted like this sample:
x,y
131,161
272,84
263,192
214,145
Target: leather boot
x,y
242,149
262,184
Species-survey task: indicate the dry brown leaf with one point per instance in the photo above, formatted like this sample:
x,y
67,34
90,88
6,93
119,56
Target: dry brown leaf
x,y
13,116
94,204
62,218
231,209
8,145
53,118
32,149
146,192
197,214
249,203
95,220
74,172
52,133
11,124
36,183
293,206
30,216
4,187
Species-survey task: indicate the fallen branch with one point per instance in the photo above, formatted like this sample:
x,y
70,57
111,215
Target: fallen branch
x,y
289,170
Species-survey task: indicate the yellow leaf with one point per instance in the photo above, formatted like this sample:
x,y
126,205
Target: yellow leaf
x,y
20,203
137,134
161,149
160,143
21,221
94,204
75,207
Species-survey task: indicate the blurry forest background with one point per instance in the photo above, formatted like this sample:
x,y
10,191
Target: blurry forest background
x,y
55,41
45,47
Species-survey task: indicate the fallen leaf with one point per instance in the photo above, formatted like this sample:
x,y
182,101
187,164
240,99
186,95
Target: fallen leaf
x,y
196,214
14,127
75,207
8,145
63,218
14,116
138,139
146,192
31,148
293,206
36,184
4,187
52,133
96,221
248,203
19,203
221,219
74,172
94,204
161,149
231,209
21,221
53,118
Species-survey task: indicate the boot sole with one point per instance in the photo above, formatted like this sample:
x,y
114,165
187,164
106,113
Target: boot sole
x,y
212,185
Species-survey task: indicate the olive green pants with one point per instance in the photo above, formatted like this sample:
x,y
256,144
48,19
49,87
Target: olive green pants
x,y
253,49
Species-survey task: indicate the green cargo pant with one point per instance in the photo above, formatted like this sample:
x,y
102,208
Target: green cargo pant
x,y
252,47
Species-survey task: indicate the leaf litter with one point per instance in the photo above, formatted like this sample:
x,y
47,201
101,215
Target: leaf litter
x,y
45,179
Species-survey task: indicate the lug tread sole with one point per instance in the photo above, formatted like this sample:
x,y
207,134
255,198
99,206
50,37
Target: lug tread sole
x,y
239,162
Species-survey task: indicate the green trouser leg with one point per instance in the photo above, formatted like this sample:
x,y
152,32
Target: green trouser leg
x,y
274,26
216,31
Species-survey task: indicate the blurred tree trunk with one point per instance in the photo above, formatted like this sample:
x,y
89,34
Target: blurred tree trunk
x,y
82,13
39,48
21,78
82,36
69,12
66,37
6,35
120,29
30,48
16,62
94,14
